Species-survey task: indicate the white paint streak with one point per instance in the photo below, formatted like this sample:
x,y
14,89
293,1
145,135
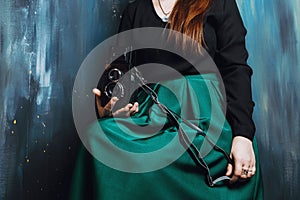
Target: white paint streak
x,y
43,38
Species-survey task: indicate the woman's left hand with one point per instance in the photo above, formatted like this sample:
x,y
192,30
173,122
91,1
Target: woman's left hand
x,y
243,157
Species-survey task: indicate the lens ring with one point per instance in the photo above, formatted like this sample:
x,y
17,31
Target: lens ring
x,y
115,74
108,90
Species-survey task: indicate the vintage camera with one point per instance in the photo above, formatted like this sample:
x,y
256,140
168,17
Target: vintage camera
x,y
118,80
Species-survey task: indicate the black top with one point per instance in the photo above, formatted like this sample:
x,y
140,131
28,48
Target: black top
x,y
224,35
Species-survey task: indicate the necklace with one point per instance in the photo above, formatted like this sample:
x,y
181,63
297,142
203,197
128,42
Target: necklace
x,y
165,17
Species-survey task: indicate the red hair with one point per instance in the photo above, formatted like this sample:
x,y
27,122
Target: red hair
x,y
187,17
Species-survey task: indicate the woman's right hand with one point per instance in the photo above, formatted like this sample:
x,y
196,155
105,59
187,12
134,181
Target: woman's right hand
x,y
106,111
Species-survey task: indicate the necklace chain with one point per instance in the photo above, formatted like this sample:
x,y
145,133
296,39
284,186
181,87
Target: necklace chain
x,y
165,13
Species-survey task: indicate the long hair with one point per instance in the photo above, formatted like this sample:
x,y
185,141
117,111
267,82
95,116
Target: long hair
x,y
187,17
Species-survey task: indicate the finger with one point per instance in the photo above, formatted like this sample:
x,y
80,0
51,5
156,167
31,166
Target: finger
x,y
137,108
229,170
111,103
99,107
123,111
134,109
246,172
229,167
247,168
237,172
127,109
253,168
246,164
249,172
97,92
252,171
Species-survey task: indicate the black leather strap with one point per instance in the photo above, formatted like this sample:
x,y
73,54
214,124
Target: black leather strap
x,y
185,141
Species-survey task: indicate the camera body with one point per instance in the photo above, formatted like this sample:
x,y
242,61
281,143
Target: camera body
x,y
118,81
113,84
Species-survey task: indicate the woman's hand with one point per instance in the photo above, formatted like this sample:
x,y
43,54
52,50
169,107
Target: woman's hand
x,y
106,111
244,159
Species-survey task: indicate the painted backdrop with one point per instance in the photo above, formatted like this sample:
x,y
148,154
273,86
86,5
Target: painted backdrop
x,y
42,44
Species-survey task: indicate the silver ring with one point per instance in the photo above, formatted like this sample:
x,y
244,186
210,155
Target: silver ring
x,y
245,171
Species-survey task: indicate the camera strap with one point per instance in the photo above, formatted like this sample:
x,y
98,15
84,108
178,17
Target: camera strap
x,y
193,151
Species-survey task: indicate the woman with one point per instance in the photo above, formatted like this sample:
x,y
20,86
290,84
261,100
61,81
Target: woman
x,y
217,26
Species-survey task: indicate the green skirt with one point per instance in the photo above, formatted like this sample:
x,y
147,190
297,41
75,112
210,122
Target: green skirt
x,y
141,157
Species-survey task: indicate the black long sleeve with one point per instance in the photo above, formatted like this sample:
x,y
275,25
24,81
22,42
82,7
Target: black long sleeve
x,y
224,34
231,58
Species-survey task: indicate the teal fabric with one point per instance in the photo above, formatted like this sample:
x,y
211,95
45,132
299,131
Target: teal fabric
x,y
196,98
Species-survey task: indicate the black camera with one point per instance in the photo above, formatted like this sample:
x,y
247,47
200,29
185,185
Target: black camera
x,y
118,80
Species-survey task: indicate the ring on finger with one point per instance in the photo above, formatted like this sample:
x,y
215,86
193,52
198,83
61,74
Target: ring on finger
x,y
245,172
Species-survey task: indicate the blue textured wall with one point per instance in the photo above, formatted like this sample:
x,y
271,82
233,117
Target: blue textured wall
x,y
42,44
273,43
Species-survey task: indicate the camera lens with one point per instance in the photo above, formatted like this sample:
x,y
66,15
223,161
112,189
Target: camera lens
x,y
114,74
115,89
